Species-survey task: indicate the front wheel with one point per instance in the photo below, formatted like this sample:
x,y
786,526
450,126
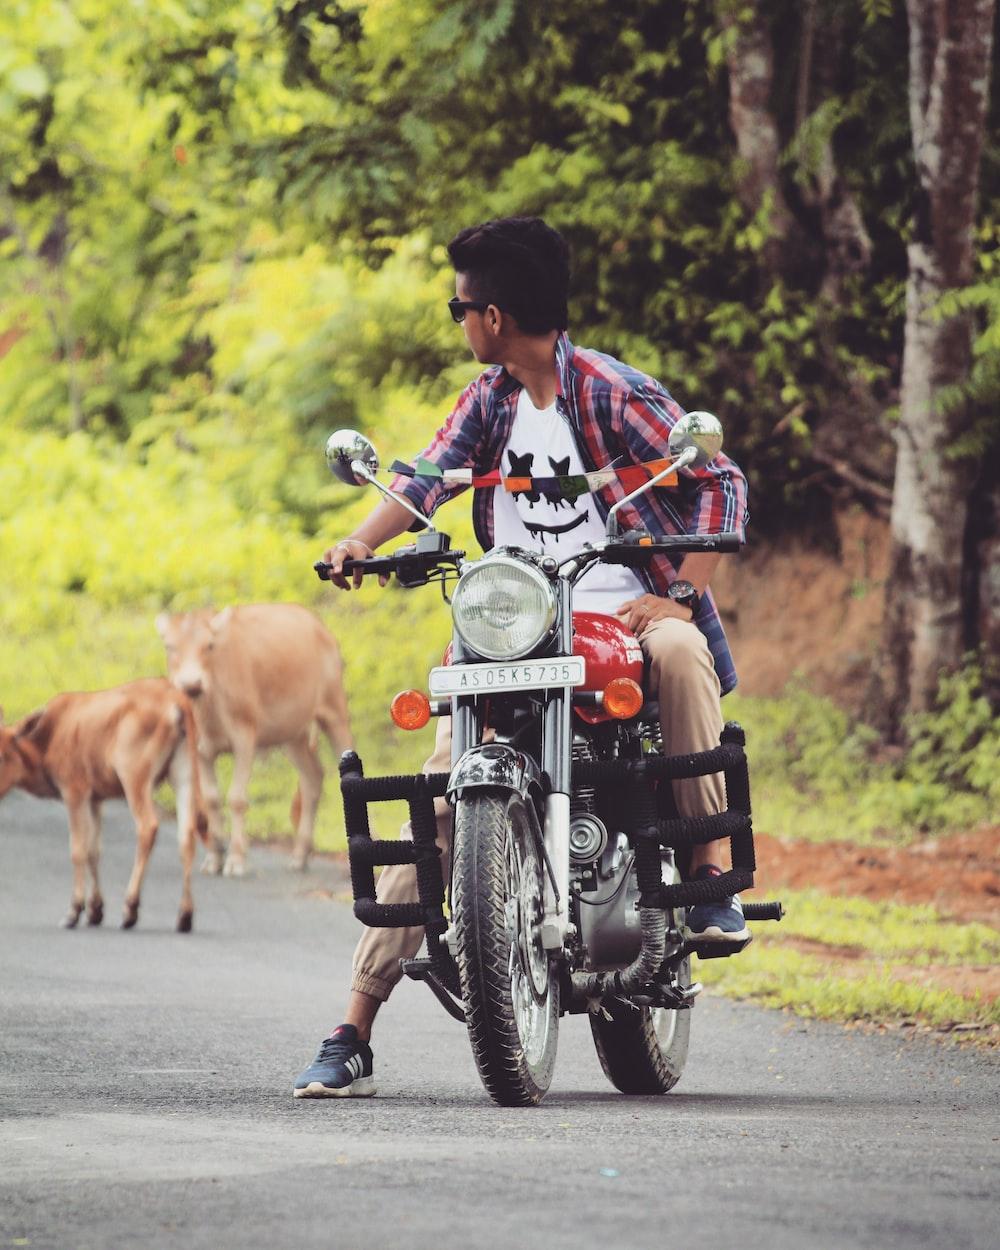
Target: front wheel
x,y
511,992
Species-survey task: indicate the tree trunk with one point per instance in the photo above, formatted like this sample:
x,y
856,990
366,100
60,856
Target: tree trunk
x,y
929,617
847,247
750,62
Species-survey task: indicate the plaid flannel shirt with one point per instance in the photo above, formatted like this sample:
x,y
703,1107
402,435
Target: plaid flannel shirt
x,y
619,416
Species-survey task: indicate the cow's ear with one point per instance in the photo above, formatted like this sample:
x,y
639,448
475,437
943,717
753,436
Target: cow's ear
x,y
28,724
162,624
221,619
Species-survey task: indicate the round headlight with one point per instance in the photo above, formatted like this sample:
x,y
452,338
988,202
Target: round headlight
x,y
503,608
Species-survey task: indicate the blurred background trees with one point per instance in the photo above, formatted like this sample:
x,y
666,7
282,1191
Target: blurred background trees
x,y
222,227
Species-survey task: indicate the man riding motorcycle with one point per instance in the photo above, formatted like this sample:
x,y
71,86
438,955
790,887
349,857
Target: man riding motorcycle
x,y
543,407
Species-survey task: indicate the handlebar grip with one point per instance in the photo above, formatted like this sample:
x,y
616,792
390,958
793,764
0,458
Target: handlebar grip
x,y
374,564
323,569
724,543
763,911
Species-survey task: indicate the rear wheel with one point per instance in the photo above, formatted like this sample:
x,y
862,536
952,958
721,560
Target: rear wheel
x,y
510,990
643,1049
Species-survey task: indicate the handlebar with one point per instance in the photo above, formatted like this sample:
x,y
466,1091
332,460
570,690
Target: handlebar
x,y
411,565
634,547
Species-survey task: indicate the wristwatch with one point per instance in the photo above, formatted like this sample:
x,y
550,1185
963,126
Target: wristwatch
x,y
684,593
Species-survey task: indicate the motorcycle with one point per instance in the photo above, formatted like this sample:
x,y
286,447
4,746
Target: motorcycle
x,y
566,894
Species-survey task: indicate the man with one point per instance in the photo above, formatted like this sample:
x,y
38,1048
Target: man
x,y
544,407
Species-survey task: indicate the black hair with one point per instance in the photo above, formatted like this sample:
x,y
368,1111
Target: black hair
x,y
521,265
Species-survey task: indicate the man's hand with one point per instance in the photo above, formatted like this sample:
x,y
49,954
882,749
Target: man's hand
x,y
348,549
638,613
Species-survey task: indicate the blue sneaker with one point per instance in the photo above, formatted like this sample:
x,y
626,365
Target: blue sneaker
x,y
721,921
342,1069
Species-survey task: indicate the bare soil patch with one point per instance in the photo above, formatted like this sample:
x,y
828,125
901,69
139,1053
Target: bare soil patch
x,y
828,630
958,875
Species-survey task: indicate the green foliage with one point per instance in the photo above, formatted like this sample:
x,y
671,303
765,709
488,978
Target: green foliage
x,y
221,230
187,243
819,775
82,519
957,745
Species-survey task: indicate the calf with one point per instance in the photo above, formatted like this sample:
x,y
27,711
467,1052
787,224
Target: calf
x,y
111,744
263,675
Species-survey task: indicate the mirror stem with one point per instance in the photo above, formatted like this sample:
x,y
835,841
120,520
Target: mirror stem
x,y
362,470
682,462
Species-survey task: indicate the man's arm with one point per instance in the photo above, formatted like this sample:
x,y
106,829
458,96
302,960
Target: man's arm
x,y
454,446
720,503
697,569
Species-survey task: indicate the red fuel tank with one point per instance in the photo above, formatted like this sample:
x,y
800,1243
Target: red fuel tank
x,y
609,649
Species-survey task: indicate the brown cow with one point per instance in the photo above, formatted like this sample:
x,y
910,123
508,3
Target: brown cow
x,y
263,675
84,748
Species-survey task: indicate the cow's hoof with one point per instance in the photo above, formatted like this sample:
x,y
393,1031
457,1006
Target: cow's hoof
x,y
95,913
130,915
212,864
69,921
234,868
184,922
298,863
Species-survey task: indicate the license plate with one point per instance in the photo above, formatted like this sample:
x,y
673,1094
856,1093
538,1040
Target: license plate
x,y
521,675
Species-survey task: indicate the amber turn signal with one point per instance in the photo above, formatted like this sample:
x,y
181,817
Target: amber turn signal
x,y
410,709
623,698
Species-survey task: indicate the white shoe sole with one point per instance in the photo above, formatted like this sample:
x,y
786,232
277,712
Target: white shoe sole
x,y
363,1087
714,934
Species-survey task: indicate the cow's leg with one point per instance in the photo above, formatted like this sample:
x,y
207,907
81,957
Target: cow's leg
x,y
78,810
334,719
95,908
212,862
182,782
243,752
303,755
139,796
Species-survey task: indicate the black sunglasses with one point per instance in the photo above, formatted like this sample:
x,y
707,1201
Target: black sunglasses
x,y
459,307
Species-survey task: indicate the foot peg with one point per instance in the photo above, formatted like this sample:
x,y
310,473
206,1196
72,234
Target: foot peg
x,y
423,970
674,997
716,950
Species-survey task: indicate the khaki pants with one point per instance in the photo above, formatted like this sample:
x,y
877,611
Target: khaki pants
x,y
682,676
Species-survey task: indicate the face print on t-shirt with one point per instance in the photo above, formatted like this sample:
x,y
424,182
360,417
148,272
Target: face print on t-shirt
x,y
521,466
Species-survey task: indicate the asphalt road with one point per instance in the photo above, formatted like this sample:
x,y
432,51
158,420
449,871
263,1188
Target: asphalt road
x,y
145,1097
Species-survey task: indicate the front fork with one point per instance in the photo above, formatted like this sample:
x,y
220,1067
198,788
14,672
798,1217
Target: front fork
x,y
556,778
557,771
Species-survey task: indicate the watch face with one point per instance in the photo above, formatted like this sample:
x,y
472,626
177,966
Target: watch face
x,y
681,590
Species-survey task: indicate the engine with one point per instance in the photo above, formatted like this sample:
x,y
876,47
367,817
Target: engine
x,y
602,881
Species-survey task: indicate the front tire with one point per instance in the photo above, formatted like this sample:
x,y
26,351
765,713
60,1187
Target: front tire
x,y
511,992
643,1049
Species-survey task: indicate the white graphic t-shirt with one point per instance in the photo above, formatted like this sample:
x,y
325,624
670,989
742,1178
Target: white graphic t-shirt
x,y
542,445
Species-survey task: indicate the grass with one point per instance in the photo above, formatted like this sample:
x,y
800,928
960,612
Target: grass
x,y
889,939
884,930
777,976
